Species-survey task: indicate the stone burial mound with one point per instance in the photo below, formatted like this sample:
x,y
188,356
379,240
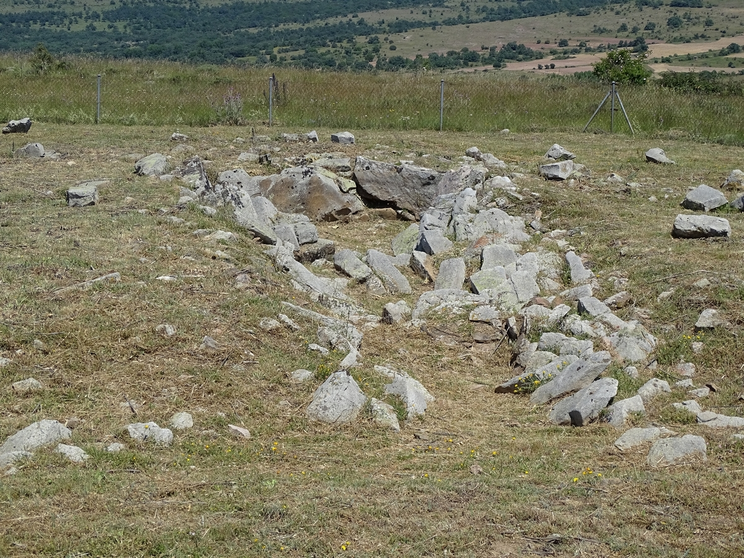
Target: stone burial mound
x,y
515,280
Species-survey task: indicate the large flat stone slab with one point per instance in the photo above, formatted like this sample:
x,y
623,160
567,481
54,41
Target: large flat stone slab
x,y
700,226
394,280
585,405
575,376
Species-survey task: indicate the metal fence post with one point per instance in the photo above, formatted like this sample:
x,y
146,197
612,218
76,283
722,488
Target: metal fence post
x,y
612,109
441,106
271,99
98,101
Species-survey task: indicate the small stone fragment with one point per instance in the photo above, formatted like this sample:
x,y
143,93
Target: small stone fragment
x,y
182,421
238,431
73,453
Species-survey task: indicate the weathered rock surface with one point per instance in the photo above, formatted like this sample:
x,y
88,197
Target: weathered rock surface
x,y
83,194
451,274
21,126
337,400
405,187
315,193
394,280
657,155
34,436
653,388
150,432
182,421
30,150
433,242
618,412
709,319
344,138
700,226
412,393
704,198
405,242
717,420
585,405
73,453
152,165
637,436
677,451
557,171
348,263
558,153
575,376
579,274
29,385
384,414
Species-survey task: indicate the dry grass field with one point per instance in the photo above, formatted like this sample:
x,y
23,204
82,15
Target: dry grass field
x,y
480,475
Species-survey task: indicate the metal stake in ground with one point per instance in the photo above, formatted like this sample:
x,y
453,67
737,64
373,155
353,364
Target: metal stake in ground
x,y
271,98
613,94
441,106
98,101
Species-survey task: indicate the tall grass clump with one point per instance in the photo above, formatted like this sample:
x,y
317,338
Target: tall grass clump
x,y
168,93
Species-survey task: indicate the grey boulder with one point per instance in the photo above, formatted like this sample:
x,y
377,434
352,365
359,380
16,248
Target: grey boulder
x,y
575,376
30,150
344,138
585,405
618,412
35,436
394,280
21,126
558,153
337,400
451,274
677,451
152,165
657,155
700,226
704,198
557,171
83,194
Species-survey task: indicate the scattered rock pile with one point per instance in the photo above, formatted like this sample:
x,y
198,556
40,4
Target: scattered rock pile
x,y
516,284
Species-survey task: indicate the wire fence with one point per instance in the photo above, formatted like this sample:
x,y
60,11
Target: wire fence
x,y
168,94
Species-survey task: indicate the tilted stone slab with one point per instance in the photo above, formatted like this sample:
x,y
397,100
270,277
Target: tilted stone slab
x,y
538,374
574,377
312,193
557,171
405,241
338,400
633,344
585,405
653,388
152,165
452,300
422,265
344,138
677,451
657,155
637,436
415,396
285,261
559,153
30,150
405,187
579,274
84,194
717,420
700,226
433,242
150,432
36,435
394,280
619,411
704,198
497,255
564,345
21,126
525,285
451,274
494,284
347,262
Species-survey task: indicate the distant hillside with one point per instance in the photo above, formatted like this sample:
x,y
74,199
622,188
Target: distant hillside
x,y
351,34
